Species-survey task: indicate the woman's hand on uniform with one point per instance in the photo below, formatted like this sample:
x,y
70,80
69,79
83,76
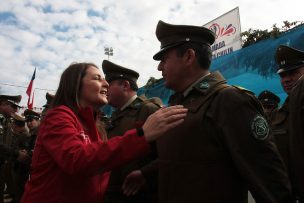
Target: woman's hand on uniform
x,y
163,120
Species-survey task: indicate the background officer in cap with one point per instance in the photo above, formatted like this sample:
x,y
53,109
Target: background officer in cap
x,y
224,147
19,170
269,100
32,120
8,106
292,61
131,112
290,70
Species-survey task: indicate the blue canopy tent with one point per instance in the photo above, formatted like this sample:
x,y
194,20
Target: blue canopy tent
x,y
253,67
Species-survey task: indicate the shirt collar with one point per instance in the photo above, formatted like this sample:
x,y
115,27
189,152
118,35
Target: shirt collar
x,y
128,102
187,91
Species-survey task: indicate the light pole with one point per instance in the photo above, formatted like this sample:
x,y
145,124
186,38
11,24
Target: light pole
x,y
108,51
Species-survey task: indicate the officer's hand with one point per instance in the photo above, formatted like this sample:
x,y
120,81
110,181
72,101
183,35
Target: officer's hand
x,y
22,155
163,120
133,182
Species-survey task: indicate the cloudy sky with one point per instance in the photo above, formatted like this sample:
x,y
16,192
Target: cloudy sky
x,y
52,34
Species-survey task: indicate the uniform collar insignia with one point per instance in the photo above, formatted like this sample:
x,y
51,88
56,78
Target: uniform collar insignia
x,y
137,104
208,82
204,85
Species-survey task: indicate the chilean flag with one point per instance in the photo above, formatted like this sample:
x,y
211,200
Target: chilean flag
x,y
30,92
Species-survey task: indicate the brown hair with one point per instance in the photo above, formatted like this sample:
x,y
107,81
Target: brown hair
x,y
101,120
70,84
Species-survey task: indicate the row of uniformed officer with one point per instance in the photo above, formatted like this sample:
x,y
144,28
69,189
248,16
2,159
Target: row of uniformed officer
x,y
225,146
8,106
17,144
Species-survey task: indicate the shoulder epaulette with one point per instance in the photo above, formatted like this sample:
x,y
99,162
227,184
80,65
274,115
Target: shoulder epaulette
x,y
243,89
155,100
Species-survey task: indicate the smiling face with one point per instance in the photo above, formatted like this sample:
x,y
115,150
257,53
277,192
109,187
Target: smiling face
x,y
93,91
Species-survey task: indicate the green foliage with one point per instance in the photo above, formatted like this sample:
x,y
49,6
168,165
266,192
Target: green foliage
x,y
151,81
252,36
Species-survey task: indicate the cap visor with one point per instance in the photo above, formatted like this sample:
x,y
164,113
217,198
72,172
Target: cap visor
x,y
158,56
282,70
15,104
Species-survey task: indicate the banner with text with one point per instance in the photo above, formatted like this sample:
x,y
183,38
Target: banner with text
x,y
227,29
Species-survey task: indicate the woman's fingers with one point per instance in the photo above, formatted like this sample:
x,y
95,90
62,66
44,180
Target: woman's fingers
x,y
163,120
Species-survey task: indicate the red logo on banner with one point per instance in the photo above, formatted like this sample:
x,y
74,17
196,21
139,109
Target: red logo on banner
x,y
222,31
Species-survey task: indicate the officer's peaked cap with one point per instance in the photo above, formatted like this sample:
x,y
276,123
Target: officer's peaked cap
x,y
13,99
269,98
171,36
28,113
288,58
113,71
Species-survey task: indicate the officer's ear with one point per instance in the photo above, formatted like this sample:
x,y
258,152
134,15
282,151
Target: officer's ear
x,y
189,57
126,84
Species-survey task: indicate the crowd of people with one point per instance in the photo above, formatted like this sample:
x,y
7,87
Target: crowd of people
x,y
213,142
18,136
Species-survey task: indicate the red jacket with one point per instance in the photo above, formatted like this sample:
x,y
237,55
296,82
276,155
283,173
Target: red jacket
x,y
70,163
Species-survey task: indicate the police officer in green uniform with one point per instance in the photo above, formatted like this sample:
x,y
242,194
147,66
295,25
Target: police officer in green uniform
x,y
224,147
269,100
132,182
26,142
20,169
8,106
32,119
291,70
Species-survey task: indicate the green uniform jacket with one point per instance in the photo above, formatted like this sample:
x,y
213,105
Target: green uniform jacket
x,y
296,123
132,116
223,149
6,152
280,131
